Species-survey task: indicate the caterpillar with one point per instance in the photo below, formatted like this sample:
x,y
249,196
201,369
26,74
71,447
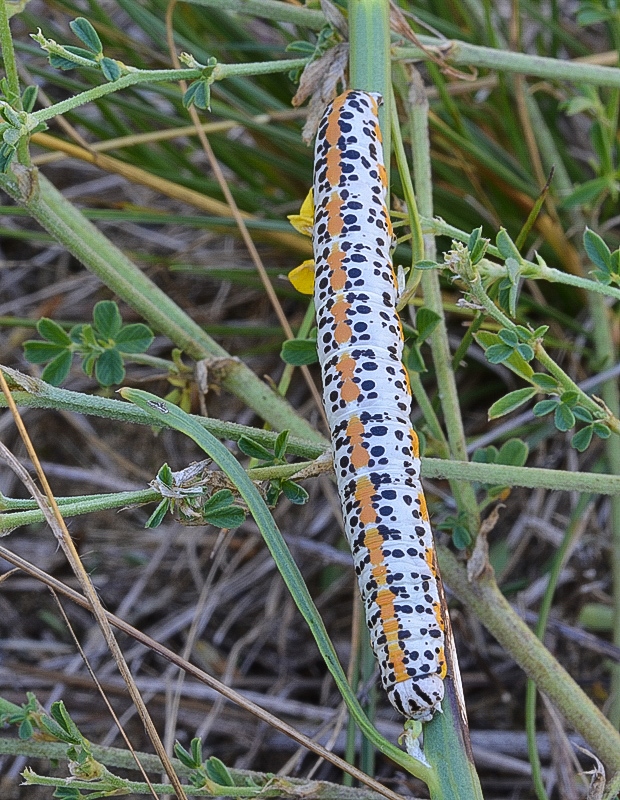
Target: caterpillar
x,y
368,401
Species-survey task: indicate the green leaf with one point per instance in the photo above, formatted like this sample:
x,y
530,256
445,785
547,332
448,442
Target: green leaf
x,y
198,94
498,353
279,448
165,475
229,517
29,97
509,337
109,368
107,319
25,730
582,414
88,363
513,453
598,252
86,33
414,360
299,352
591,16
52,331
425,264
601,430
111,70
300,46
58,62
158,515
545,382
135,338
68,793
506,246
218,772
461,537
545,407
515,363
426,321
585,194
476,245
38,352
526,352
219,500
187,759
52,728
253,449
7,153
581,440
564,418
58,369
294,492
485,455
511,401
569,397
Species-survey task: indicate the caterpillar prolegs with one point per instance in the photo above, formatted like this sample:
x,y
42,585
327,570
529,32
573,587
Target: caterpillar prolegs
x,y
368,401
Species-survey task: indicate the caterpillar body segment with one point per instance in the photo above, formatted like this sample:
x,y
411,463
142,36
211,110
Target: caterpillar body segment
x,y
368,402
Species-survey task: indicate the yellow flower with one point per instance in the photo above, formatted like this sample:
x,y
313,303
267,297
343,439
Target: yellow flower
x,y
304,221
302,277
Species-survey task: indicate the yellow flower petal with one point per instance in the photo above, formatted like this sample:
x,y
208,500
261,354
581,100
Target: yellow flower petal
x,y
304,221
302,277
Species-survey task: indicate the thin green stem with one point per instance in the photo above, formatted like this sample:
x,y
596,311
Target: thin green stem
x,y
34,393
220,72
606,355
417,240
463,54
73,507
428,412
557,566
8,60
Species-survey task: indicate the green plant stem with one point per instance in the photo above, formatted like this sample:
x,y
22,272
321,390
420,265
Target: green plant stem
x,y
417,240
487,474
428,412
220,72
8,59
12,77
485,599
540,272
115,757
463,492
559,561
369,59
606,355
464,54
34,393
75,506
81,238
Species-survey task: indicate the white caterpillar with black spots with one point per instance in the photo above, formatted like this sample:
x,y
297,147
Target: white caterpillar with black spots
x,y
368,401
